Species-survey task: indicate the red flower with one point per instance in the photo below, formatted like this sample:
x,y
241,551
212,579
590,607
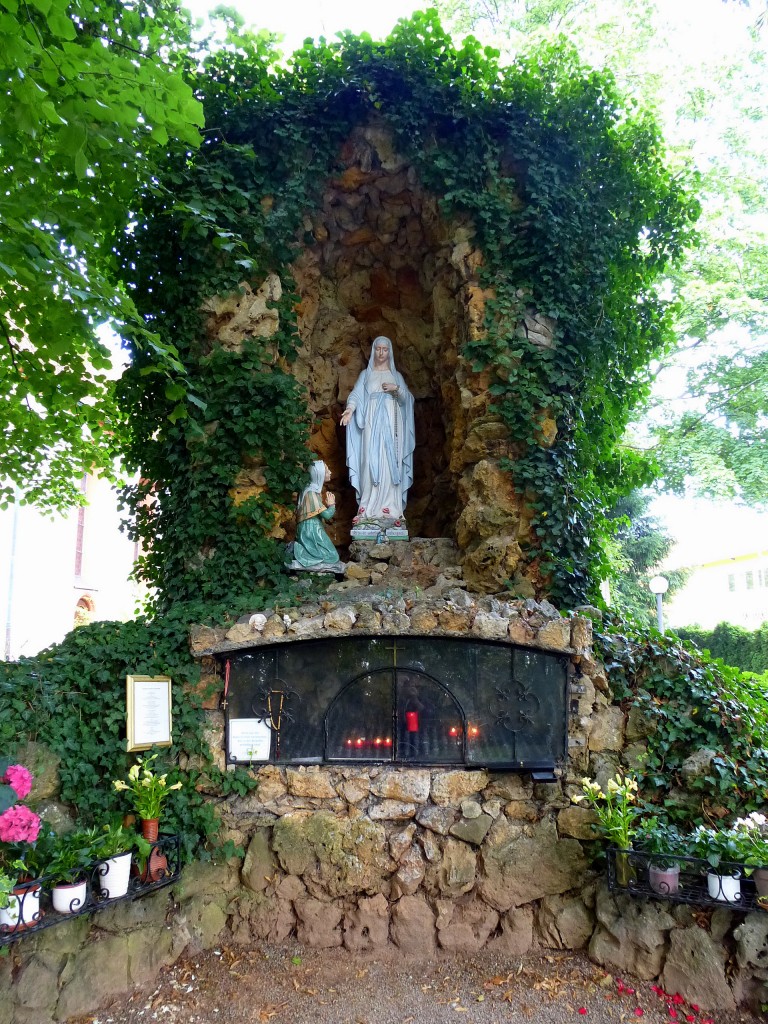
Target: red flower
x,y
677,999
673,1013
659,991
638,1011
582,1010
690,1017
694,1007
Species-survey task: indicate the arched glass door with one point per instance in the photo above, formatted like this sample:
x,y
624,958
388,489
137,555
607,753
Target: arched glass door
x,y
401,715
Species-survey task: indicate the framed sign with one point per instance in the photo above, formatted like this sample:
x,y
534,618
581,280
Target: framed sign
x,y
148,707
249,739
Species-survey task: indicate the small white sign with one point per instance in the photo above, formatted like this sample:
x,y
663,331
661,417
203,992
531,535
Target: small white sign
x,y
250,739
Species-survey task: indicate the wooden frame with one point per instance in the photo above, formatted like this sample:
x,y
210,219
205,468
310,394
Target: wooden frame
x,y
148,712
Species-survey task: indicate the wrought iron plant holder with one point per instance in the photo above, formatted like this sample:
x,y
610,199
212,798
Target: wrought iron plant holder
x,y
35,909
680,879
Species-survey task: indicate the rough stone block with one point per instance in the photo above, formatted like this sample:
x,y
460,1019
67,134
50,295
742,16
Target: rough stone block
x,y
392,810
413,926
577,822
581,633
695,967
37,986
631,935
198,879
555,635
456,871
314,784
319,924
607,732
260,863
437,819
366,928
407,786
409,874
518,869
148,951
563,923
204,920
516,936
472,830
97,974
464,927
450,788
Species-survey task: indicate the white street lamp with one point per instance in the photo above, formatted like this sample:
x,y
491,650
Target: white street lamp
x,y
659,585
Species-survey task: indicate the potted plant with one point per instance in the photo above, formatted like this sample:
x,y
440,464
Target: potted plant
x,y
753,833
112,848
722,849
665,845
70,856
616,811
19,829
148,791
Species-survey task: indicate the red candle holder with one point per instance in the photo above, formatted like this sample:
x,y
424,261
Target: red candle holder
x,y
412,721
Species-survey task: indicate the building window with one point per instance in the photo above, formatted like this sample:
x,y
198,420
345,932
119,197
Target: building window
x,y
750,578
84,610
731,582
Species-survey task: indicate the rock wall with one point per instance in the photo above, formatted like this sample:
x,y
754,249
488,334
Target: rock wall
x,y
379,257
420,859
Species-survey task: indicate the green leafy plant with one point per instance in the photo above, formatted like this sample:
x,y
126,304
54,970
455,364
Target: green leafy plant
x,y
578,225
717,845
70,855
616,808
662,840
115,839
148,789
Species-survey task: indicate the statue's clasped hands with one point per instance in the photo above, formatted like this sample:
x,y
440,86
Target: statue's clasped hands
x,y
330,499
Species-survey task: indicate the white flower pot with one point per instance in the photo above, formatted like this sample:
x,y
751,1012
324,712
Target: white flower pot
x,y
23,909
68,899
726,888
114,875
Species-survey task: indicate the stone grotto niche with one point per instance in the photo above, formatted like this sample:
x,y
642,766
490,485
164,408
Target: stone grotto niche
x,y
398,700
382,260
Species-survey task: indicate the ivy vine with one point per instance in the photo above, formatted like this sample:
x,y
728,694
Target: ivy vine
x,y
575,212
691,703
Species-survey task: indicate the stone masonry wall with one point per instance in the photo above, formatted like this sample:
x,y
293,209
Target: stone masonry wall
x,y
420,859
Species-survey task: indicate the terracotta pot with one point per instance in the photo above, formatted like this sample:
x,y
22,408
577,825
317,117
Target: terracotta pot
x,y
760,876
150,828
156,867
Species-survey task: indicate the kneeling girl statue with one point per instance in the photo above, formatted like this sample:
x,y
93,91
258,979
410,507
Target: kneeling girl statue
x,y
312,551
380,441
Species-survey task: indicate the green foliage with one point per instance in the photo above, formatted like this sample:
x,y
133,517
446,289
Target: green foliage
x,y
714,111
576,215
736,646
640,545
92,93
691,703
72,698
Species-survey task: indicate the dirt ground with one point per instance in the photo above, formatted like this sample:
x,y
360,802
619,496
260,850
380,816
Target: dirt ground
x,y
300,986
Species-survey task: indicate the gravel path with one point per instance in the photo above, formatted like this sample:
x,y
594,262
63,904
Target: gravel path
x,y
299,986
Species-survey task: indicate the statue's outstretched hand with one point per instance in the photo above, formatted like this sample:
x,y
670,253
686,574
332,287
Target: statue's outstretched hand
x,y
330,498
346,416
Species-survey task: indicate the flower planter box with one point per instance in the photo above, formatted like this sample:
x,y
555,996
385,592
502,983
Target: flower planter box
x,y
163,868
698,883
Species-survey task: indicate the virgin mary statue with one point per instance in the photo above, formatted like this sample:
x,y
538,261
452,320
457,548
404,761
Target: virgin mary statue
x,y
380,438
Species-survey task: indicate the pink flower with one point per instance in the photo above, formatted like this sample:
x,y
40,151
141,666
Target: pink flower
x,y
19,779
639,1011
19,825
582,1010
